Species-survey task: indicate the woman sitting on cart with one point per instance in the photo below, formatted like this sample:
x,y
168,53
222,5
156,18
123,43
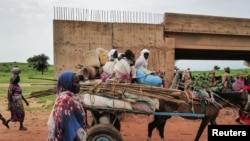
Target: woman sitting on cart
x,y
108,68
143,74
124,68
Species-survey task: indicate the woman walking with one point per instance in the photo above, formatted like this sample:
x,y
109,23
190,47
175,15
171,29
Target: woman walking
x,y
15,97
67,121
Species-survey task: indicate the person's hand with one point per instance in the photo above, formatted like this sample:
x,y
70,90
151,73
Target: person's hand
x,y
27,103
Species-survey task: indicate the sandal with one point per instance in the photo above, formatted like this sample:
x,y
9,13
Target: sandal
x,y
6,123
23,128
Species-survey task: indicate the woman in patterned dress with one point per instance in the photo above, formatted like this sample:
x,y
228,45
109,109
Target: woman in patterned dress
x,y
67,120
15,100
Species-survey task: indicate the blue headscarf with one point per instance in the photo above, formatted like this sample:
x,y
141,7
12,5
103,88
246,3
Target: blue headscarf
x,y
68,114
65,81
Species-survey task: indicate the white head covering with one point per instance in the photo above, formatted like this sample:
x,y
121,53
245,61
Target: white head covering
x,y
141,61
144,51
111,53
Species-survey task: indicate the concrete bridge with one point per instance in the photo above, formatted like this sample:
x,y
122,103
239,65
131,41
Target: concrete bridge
x,y
169,37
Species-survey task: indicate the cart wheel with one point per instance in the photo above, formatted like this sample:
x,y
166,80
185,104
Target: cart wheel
x,y
103,132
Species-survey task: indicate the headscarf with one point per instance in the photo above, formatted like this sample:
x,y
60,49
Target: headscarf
x,y
129,54
141,61
111,53
227,69
144,51
65,81
130,57
67,114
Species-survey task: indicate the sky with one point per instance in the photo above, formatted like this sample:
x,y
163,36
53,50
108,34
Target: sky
x,y
26,27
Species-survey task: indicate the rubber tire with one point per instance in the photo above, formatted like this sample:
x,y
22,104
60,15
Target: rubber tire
x,y
103,132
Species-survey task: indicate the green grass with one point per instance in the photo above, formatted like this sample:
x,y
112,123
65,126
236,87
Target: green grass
x,y
27,72
234,72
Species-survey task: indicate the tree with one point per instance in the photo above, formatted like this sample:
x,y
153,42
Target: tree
x,y
176,68
216,67
39,62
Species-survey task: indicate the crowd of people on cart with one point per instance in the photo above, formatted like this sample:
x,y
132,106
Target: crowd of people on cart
x,y
125,68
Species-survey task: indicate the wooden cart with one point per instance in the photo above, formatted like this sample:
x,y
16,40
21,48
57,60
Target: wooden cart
x,y
105,125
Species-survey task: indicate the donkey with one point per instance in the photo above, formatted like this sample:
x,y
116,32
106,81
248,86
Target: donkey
x,y
211,111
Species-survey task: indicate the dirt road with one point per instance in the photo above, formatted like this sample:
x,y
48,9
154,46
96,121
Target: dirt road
x,y
133,127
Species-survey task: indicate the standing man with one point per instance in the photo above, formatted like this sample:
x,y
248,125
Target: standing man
x,y
226,80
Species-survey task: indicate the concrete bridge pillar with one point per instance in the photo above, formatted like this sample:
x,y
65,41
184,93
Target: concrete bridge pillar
x,y
169,44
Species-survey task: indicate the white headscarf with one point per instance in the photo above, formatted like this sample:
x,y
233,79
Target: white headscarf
x,y
141,61
111,53
144,51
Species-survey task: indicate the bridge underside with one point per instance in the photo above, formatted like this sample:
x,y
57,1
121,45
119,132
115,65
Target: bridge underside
x,y
200,37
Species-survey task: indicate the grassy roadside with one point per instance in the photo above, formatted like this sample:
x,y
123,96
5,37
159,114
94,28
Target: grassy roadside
x,y
29,85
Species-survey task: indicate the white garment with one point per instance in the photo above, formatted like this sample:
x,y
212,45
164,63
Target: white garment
x,y
109,67
122,68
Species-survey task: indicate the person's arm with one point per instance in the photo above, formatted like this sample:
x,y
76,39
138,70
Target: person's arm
x,y
27,103
10,92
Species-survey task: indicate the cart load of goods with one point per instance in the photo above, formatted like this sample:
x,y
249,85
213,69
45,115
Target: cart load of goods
x,y
126,96
94,60
97,61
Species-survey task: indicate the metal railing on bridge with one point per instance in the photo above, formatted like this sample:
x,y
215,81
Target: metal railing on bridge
x,y
112,16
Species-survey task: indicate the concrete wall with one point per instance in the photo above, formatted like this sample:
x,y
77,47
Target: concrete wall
x,y
73,38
